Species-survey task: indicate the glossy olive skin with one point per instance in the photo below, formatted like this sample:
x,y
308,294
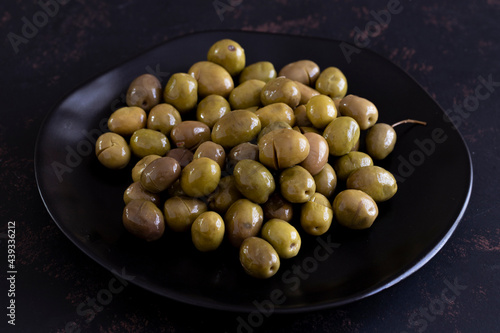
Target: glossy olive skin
x,y
320,111
243,151
236,127
258,258
360,109
175,190
283,236
207,231
243,219
224,195
213,151
160,174
377,182
253,180
303,71
180,212
183,155
146,142
229,54
276,207
141,165
112,151
125,121
342,134
143,219
326,181
316,215
280,90
283,148
144,92
200,177
380,141
296,184
272,127
318,153
181,91
212,79
306,129
262,70
301,118
276,112
190,134
332,82
306,92
212,108
246,95
163,117
136,191
354,209
351,162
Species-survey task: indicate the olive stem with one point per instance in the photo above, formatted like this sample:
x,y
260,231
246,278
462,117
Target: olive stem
x,y
409,121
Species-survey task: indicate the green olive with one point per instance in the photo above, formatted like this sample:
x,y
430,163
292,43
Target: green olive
x,y
380,141
163,117
350,162
318,153
180,212
262,70
283,148
141,165
213,151
360,109
247,94
212,108
136,191
297,185
207,231
258,258
253,180
301,118
228,54
276,112
377,182
243,219
112,151
332,82
127,120
146,142
306,92
144,92
143,219
272,127
236,127
342,134
243,151
200,177
326,181
355,209
190,134
276,207
183,155
280,90
283,236
303,71
224,195
212,79
321,111
316,215
160,174
181,91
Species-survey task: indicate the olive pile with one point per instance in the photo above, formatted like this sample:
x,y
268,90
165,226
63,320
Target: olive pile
x,y
261,150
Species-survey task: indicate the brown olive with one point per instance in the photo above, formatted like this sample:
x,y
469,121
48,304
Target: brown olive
x,y
163,117
280,90
213,151
112,151
258,258
243,151
141,165
146,142
212,79
183,155
144,92
276,112
125,121
243,219
303,71
326,180
306,92
301,119
236,127
136,191
283,148
181,91
276,207
180,212
360,109
355,209
224,195
262,70
212,108
190,134
318,153
143,219
160,174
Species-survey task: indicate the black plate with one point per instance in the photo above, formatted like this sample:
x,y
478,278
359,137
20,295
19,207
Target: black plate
x,y
432,164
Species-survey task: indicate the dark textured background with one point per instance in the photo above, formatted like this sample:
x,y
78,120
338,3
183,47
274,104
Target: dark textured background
x,y
445,45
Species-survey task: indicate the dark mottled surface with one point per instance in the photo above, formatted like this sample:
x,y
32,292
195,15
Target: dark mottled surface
x,y
446,46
